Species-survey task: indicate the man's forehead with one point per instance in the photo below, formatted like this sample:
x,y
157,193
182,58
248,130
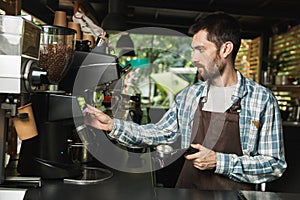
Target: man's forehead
x,y
200,39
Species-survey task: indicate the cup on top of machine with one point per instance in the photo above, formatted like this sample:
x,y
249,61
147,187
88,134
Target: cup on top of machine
x,y
60,18
75,26
25,123
90,38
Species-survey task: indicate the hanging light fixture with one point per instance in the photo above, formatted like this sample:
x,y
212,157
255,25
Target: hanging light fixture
x,y
126,45
115,20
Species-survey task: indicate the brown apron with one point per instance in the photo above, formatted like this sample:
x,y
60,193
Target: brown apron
x,y
223,135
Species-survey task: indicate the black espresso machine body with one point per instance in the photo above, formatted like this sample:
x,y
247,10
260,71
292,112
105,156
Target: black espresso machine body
x,y
46,155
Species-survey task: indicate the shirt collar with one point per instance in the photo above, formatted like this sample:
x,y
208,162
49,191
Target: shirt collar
x,y
240,89
238,93
204,94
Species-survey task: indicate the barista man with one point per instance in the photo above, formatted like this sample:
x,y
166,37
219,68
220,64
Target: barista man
x,y
233,122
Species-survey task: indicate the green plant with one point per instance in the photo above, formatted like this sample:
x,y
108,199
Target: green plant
x,y
277,62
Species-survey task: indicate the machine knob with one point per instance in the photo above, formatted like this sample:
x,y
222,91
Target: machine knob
x,y
34,75
38,76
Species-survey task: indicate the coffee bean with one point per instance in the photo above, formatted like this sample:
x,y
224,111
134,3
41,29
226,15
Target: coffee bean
x,y
55,58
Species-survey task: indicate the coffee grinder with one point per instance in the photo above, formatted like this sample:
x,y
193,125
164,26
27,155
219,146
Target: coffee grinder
x,y
46,155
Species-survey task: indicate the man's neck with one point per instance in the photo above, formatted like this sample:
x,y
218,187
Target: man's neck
x,y
227,78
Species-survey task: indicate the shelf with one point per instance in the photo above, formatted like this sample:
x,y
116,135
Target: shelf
x,y
293,123
284,87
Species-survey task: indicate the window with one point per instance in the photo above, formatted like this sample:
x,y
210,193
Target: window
x,y
287,45
285,48
248,58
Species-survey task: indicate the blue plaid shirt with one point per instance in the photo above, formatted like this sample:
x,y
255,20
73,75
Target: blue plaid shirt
x,y
261,134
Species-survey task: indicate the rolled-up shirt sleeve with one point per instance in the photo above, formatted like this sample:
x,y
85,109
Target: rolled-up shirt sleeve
x,y
130,133
263,158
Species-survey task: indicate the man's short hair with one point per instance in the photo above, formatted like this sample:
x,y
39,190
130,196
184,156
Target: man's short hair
x,y
221,28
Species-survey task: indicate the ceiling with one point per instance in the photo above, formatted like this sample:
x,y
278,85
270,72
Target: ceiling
x,y
255,16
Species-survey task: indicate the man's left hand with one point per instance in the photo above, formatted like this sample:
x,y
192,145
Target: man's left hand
x,y
205,159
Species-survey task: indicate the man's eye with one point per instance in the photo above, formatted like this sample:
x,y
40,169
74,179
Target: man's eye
x,y
200,49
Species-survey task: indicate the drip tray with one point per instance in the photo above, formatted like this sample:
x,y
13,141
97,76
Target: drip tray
x,y
90,175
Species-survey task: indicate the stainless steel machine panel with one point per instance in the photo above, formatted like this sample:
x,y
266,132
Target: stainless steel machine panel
x,y
10,74
19,36
19,39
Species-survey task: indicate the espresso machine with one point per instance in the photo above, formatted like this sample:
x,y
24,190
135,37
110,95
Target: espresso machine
x,y
47,155
19,72
40,66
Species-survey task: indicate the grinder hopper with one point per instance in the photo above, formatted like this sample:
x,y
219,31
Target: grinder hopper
x,y
57,47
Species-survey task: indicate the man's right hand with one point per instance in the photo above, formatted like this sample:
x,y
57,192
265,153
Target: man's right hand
x,y
97,119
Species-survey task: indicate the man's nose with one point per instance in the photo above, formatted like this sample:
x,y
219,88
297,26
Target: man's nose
x,y
195,58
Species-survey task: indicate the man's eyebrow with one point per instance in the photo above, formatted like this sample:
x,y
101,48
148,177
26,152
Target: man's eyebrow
x,y
197,46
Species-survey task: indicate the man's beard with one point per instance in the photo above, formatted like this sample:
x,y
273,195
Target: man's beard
x,y
214,70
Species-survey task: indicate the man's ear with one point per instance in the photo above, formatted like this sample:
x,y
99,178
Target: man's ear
x,y
226,49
